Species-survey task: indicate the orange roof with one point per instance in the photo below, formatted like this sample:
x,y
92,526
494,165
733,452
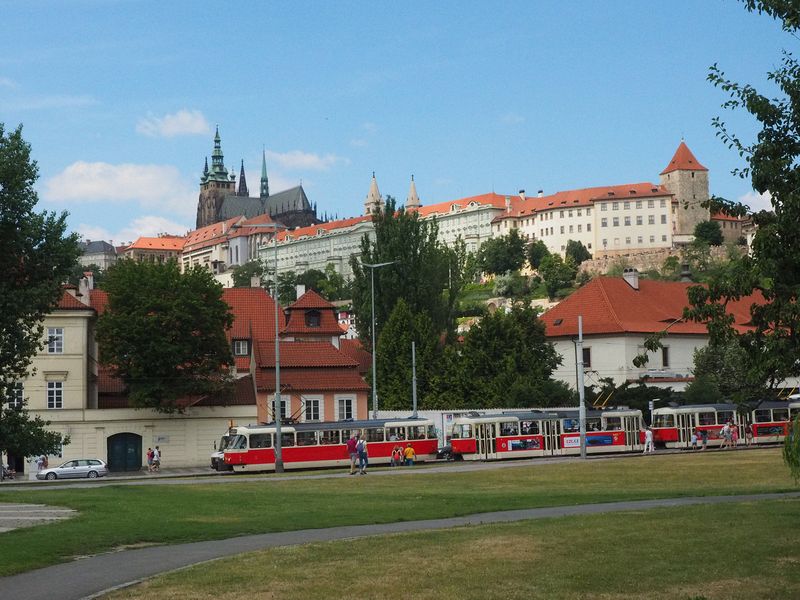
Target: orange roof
x,y
246,227
254,318
99,300
721,216
323,228
313,380
610,305
683,160
70,302
311,300
355,350
209,235
303,354
492,199
167,242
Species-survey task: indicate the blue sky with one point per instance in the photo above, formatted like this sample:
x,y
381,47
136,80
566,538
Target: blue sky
x,y
119,99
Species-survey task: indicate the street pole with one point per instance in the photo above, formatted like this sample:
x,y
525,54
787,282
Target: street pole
x,y
374,349
414,378
277,404
581,403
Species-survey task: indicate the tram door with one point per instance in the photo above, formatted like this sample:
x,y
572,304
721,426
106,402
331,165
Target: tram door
x,y
685,424
486,440
552,438
632,427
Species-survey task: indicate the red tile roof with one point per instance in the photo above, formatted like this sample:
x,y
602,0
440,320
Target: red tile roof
x,y
254,318
322,228
492,199
172,243
610,305
211,235
721,216
683,160
355,350
98,299
303,354
246,227
313,380
107,382
70,302
312,301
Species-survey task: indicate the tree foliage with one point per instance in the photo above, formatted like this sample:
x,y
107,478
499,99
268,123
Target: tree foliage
x,y
725,366
36,256
557,273
577,252
708,232
23,435
536,252
163,333
502,254
243,274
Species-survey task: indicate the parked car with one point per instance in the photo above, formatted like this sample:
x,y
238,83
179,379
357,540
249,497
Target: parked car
x,y
78,468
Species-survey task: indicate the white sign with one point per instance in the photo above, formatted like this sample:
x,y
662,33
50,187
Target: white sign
x,y
571,442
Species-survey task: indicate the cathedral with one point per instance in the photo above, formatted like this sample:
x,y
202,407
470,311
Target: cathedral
x,y
220,199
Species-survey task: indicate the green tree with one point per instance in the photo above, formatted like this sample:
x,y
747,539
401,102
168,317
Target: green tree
x,y
243,274
163,333
537,251
78,270
708,232
577,252
726,366
36,256
502,254
703,390
557,273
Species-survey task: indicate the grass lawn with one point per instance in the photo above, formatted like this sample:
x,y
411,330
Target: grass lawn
x,y
118,516
727,552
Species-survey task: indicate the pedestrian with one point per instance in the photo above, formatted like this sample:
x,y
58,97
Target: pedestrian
x,y
748,435
704,439
149,457
724,436
694,439
45,462
156,459
363,459
352,451
39,463
397,456
735,436
648,441
409,455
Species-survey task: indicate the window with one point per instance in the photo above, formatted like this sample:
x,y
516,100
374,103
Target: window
x,y
345,406
627,221
588,212
780,414
652,239
663,238
588,227
762,415
561,214
615,222
665,356
723,416
580,228
15,397
312,409
329,438
706,418
639,240
587,358
605,243
55,394
306,438
639,219
579,212
627,241
663,219
569,213
615,206
529,427
651,219
651,204
287,439
603,222
664,421
626,205
313,318
241,348
570,228
603,208
562,229
374,434
509,428
259,440
638,204
663,203
55,340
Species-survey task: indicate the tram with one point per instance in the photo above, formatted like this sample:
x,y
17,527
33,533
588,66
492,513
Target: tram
x,y
673,426
313,445
548,432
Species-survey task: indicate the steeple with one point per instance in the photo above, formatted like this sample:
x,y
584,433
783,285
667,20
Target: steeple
x,y
204,177
413,199
264,180
374,202
242,183
218,170
683,160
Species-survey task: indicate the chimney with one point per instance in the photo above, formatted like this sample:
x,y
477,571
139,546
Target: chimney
x,y
223,228
255,281
631,276
89,279
686,274
508,204
301,289
540,193
522,194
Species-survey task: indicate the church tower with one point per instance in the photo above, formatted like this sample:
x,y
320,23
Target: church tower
x,y
264,181
374,202
215,184
413,199
687,179
242,183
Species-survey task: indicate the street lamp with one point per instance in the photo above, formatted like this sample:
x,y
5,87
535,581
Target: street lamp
x,y
374,349
276,399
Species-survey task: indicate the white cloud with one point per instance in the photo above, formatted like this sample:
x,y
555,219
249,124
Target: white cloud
x,y
145,226
183,122
757,201
147,185
511,118
297,159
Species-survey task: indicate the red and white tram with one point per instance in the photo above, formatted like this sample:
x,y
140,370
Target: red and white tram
x,y
544,433
771,420
310,445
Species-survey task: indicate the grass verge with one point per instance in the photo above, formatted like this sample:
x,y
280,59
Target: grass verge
x,y
119,516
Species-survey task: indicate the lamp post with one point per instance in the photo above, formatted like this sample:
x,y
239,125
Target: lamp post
x,y
276,400
374,350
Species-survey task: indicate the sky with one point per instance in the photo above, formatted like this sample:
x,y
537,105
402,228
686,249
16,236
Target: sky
x,y
119,99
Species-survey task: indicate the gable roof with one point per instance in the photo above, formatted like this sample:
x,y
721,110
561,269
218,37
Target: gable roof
x,y
683,160
310,299
69,302
609,305
173,243
209,235
96,247
491,200
303,355
322,228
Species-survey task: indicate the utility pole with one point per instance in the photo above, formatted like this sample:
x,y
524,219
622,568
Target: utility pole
x,y
581,403
414,378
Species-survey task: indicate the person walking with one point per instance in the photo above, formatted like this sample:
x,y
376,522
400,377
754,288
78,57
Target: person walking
x,y
39,463
694,439
703,439
149,457
648,441
352,451
397,456
748,435
724,436
156,459
409,455
734,435
363,459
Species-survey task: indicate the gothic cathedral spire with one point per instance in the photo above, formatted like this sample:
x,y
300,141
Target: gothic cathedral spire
x,y
242,183
264,179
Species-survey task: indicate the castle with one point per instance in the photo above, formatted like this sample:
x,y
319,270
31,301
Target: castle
x,y
220,199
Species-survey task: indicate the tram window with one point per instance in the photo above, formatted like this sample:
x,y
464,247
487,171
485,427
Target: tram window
x,y
613,423
706,418
287,439
261,440
431,432
664,421
723,416
238,442
529,427
592,424
763,415
306,438
396,433
461,431
328,437
571,425
780,414
417,432
509,428
375,434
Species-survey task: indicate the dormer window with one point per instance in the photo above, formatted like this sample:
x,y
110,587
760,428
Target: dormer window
x,y
313,318
241,347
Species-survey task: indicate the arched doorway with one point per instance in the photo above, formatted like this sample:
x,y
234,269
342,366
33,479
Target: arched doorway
x,y
124,452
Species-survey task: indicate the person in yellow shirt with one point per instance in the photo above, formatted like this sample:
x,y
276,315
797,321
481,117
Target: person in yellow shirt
x,y
409,455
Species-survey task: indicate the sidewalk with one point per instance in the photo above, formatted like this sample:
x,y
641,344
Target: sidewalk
x,y
93,576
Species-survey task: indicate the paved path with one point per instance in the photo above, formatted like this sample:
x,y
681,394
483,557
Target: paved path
x,y
93,576
13,516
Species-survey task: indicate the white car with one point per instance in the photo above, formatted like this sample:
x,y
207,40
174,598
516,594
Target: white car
x,y
73,469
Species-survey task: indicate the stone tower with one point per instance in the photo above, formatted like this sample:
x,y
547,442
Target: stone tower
x,y
687,179
374,202
215,184
413,199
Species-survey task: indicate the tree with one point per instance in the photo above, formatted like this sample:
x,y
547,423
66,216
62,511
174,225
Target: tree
x,y
243,274
577,252
708,232
502,254
557,273
703,390
725,365
78,270
163,333
536,252
36,256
